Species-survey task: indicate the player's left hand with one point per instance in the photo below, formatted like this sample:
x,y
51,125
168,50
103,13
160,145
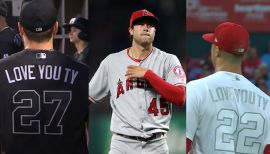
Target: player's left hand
x,y
135,71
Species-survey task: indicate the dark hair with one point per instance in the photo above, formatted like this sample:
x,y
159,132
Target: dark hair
x,y
39,37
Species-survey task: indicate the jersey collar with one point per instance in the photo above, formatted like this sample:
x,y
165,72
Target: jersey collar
x,y
138,60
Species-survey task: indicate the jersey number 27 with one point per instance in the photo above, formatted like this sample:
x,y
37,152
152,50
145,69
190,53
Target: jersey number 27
x,y
27,117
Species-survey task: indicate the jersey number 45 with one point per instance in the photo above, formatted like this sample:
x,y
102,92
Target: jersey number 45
x,y
164,107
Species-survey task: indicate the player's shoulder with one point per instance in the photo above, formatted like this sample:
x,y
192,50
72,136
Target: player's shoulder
x,y
8,33
116,55
69,60
11,58
120,53
164,55
161,52
202,82
53,57
9,30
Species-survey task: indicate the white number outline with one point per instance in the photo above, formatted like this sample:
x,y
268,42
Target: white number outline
x,y
245,148
39,109
22,116
57,108
231,142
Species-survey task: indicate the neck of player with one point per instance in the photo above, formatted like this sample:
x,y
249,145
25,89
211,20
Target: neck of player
x,y
48,45
140,52
81,45
3,23
228,67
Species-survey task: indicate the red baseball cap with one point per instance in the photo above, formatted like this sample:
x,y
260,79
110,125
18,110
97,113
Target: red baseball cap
x,y
230,37
140,14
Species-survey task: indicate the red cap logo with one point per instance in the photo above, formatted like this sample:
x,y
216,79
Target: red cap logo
x,y
142,13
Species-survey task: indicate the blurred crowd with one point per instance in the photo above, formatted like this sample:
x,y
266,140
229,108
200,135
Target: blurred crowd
x,y
255,67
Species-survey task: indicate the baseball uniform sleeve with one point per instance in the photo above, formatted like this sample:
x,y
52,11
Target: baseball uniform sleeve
x,y
192,110
175,74
172,93
268,136
98,86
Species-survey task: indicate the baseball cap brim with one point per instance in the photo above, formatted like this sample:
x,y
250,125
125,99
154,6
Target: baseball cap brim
x,y
152,19
209,37
67,26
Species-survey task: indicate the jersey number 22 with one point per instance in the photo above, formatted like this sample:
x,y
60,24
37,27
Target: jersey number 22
x,y
245,140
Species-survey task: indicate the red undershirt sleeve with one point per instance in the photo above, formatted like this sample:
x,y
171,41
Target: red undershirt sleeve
x,y
188,145
172,93
267,149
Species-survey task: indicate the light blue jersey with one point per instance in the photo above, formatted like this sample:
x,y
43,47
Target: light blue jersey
x,y
227,114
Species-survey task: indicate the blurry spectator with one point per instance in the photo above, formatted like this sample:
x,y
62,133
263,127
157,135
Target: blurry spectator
x,y
78,32
250,63
199,67
207,69
260,83
194,68
263,72
78,35
266,56
10,41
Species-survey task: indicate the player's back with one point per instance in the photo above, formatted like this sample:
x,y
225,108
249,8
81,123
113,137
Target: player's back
x,y
44,103
233,115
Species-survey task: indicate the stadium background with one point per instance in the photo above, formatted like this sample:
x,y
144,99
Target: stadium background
x,y
203,16
109,21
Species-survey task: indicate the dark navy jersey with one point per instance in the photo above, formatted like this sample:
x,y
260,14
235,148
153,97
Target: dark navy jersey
x,y
43,103
83,57
10,42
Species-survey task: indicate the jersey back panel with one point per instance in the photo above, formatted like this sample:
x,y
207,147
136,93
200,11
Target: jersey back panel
x,y
44,103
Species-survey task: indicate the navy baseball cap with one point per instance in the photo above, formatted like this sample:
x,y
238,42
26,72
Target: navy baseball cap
x,y
78,22
3,8
38,15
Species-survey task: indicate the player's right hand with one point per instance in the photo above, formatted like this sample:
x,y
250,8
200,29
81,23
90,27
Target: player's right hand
x,y
135,72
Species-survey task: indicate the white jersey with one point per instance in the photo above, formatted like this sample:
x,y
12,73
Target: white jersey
x,y
138,110
227,114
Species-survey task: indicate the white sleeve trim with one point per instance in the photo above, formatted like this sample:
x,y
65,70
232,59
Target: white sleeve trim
x,y
180,84
189,136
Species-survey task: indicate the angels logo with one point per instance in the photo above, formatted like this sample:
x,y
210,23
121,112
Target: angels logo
x,y
130,84
120,89
178,71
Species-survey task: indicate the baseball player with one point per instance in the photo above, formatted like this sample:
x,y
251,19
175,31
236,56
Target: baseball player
x,y
44,94
226,113
10,41
78,35
143,82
